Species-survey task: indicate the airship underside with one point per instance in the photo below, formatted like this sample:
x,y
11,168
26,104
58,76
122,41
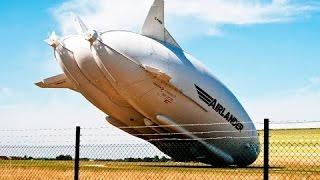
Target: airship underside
x,y
145,79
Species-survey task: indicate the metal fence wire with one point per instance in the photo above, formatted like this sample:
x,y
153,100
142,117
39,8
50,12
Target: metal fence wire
x,y
109,153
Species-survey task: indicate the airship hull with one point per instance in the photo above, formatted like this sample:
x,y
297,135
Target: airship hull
x,y
133,86
147,80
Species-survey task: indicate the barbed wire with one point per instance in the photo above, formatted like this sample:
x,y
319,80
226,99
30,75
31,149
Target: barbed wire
x,y
121,134
40,129
27,136
199,139
45,141
178,133
149,140
164,126
155,126
293,122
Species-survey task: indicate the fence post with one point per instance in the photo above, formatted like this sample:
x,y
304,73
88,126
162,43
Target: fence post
x,y
266,150
76,157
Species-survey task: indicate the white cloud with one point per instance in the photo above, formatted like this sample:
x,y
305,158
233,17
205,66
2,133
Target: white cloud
x,y
103,14
128,14
52,113
214,31
240,11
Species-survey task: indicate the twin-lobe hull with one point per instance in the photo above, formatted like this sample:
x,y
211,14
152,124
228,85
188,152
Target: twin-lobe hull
x,y
76,61
153,83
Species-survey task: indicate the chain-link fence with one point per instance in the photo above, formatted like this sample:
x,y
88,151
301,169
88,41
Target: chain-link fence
x,y
109,153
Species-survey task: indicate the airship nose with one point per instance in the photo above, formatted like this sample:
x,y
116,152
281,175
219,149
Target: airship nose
x,y
254,149
249,154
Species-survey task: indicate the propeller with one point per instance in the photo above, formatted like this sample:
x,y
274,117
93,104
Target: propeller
x,y
53,40
89,34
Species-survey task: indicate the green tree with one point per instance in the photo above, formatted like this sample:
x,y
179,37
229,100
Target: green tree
x,y
64,157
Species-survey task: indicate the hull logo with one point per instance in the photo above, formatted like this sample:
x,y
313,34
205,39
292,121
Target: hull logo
x,y
219,108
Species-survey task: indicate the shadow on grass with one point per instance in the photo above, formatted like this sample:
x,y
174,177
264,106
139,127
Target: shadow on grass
x,y
207,167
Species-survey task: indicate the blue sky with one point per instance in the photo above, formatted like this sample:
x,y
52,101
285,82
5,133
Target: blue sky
x,y
270,57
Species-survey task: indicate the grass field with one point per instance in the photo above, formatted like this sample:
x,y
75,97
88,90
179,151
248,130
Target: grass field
x,y
294,154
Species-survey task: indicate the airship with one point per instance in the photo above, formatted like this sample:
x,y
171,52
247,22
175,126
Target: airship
x,y
149,87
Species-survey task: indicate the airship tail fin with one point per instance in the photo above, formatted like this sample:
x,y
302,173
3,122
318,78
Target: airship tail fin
x,y
59,81
153,26
169,39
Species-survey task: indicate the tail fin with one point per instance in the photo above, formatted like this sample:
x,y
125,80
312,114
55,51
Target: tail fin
x,y
59,81
153,26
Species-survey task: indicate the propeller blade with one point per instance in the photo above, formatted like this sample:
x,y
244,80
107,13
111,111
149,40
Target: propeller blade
x,y
80,26
89,34
53,40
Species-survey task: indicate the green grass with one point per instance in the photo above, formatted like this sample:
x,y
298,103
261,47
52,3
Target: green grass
x,y
49,164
